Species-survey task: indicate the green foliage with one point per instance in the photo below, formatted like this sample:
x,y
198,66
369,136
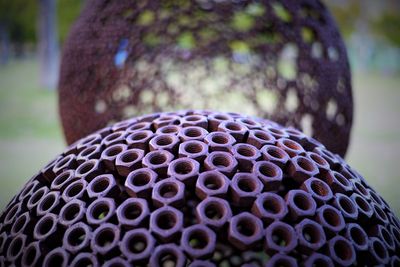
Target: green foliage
x,y
346,16
19,17
388,27
67,12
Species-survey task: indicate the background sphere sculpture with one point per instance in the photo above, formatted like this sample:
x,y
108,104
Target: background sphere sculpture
x,y
282,60
198,188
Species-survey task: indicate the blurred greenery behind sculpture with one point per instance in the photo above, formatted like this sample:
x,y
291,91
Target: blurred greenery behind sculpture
x,y
369,27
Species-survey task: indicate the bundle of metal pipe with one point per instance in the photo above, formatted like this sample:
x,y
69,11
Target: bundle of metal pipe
x,y
198,188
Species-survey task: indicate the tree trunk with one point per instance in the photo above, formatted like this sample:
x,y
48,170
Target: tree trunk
x,y
4,44
48,44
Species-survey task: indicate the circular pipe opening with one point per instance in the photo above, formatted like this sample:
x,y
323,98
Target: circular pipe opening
x,y
168,190
157,158
302,201
282,236
100,210
272,205
130,156
292,145
167,259
305,164
86,167
213,181
192,132
358,236
341,179
74,189
138,126
331,217
198,239
55,259
138,136
220,139
164,140
246,226
47,202
214,211
62,178
45,225
15,247
166,220
268,169
362,204
87,151
233,126
113,150
221,161
30,254
112,137
320,188
246,151
275,152
183,167
193,148
76,236
137,243
312,234
71,212
141,178
169,129
132,210
346,204
19,224
247,185
343,250
105,237
35,198
100,184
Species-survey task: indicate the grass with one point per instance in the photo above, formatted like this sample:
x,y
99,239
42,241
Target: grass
x,y
30,133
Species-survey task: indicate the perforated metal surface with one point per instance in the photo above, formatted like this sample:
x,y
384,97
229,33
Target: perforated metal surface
x,y
198,188
283,60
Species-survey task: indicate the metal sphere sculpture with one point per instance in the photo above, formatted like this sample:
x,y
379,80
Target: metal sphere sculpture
x,y
198,188
281,60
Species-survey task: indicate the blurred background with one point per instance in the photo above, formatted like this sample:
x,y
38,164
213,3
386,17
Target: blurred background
x,y
32,34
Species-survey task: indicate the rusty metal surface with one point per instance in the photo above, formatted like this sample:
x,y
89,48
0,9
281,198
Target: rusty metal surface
x,y
187,189
282,60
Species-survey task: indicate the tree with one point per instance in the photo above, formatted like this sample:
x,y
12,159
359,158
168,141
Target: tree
x,y
388,27
48,46
16,27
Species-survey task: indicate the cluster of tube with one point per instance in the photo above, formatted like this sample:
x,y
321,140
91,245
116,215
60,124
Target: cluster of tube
x,y
198,188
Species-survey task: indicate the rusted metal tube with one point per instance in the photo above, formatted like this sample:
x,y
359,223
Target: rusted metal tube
x,y
213,212
167,253
137,245
198,241
56,257
269,207
31,255
72,212
77,237
245,230
133,212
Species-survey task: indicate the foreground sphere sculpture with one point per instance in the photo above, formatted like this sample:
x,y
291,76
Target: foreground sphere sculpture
x,y
198,188
282,60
